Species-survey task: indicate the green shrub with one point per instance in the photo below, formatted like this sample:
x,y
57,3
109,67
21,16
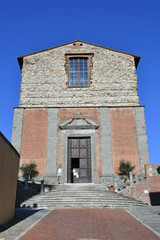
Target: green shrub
x,y
29,168
125,167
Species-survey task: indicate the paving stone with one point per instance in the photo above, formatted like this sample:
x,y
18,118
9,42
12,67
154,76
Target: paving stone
x,y
149,215
23,221
85,224
91,224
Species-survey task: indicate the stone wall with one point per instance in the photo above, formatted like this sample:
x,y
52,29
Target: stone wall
x,y
9,164
44,79
152,170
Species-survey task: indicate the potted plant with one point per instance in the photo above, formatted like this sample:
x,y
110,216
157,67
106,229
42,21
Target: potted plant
x,y
125,168
29,169
111,188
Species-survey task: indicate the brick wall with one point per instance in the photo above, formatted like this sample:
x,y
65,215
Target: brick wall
x,y
124,140
123,136
113,79
144,189
34,137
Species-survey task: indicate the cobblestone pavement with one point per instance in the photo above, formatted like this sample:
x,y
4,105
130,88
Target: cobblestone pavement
x,y
78,224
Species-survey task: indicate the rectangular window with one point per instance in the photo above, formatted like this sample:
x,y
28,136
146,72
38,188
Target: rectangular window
x,y
78,72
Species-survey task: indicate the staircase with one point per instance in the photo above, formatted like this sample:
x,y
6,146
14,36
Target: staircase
x,y
79,196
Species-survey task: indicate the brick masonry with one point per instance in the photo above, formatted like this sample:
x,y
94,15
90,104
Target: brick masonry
x,y
40,133
34,137
113,79
124,140
143,189
89,224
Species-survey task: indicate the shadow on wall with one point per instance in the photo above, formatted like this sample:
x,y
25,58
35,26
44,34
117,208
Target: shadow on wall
x,y
20,215
154,198
24,194
9,164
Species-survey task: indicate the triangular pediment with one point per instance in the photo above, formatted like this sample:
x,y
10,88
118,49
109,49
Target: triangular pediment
x,y
20,58
78,123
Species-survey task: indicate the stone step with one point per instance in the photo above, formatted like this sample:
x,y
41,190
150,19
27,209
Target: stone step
x,y
62,198
79,200
81,186
81,203
84,205
79,196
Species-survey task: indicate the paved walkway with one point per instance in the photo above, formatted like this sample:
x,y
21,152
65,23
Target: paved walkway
x,y
24,220
148,215
83,224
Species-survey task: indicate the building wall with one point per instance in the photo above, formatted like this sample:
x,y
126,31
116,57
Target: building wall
x,y
34,138
147,191
9,164
115,139
111,101
91,113
124,139
151,170
44,79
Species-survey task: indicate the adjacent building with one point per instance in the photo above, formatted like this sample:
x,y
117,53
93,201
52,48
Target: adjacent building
x,y
9,165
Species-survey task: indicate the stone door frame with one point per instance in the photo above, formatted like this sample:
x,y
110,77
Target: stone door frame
x,y
67,133
81,151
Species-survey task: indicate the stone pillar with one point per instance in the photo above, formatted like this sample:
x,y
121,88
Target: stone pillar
x,y
115,185
131,179
52,141
17,128
106,146
141,138
42,186
26,181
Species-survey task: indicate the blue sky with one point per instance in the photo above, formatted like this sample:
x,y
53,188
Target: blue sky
x,y
130,26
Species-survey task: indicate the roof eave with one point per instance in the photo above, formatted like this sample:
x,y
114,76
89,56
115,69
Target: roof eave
x,y
137,59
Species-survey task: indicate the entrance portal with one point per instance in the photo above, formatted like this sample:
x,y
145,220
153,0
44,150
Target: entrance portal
x,y
79,160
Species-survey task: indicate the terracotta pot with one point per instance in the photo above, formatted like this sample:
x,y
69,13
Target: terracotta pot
x,y
111,188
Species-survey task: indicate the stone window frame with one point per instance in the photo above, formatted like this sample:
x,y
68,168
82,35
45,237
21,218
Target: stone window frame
x,y
79,55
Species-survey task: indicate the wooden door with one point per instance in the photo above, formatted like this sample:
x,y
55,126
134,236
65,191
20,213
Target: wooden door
x,y
79,149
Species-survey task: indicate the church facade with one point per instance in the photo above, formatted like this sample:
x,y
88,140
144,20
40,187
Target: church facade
x,y
79,113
